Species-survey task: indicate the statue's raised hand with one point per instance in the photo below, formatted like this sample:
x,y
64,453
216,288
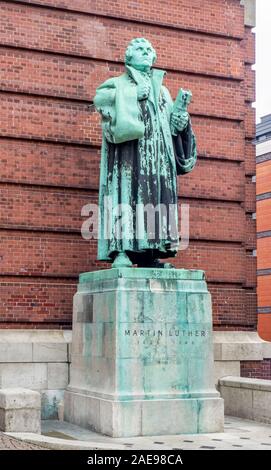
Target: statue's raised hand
x,y
143,90
179,121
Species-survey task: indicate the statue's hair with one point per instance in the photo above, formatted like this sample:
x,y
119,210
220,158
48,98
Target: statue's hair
x,y
132,44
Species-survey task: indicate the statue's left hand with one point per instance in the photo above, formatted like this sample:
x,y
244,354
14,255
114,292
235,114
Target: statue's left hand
x,y
179,121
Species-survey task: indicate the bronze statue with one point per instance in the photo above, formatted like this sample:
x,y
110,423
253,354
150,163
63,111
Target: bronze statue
x,y
147,142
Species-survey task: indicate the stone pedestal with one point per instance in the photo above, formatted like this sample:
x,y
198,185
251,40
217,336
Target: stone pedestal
x,y
142,354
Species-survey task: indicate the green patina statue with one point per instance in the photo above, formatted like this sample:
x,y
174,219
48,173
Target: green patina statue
x,y
147,142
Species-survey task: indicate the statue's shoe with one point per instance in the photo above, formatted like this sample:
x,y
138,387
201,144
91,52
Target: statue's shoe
x,y
169,266
122,261
156,264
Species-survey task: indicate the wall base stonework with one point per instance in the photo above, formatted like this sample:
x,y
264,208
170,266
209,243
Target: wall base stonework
x,y
247,398
236,351
36,360
41,360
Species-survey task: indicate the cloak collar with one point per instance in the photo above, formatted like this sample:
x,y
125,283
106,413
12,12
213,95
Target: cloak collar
x,y
157,79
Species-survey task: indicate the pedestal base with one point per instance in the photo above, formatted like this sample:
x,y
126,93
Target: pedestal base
x,y
145,417
142,354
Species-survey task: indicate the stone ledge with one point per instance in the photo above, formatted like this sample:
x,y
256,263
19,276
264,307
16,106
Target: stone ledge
x,y
247,398
142,273
35,336
41,346
34,375
17,398
141,279
244,382
20,410
240,346
34,346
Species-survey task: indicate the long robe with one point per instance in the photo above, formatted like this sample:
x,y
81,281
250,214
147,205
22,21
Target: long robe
x,y
138,168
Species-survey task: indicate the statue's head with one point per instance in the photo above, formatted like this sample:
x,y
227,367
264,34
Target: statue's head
x,y
140,54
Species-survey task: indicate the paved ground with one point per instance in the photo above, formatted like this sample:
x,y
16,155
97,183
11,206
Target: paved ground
x,y
9,443
239,435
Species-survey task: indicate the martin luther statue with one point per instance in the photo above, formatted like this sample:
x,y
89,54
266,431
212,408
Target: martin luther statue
x,y
147,141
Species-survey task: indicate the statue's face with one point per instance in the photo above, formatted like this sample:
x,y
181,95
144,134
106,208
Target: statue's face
x,y
143,55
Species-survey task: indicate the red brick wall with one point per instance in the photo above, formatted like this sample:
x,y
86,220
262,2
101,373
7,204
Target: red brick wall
x,y
53,55
256,369
264,246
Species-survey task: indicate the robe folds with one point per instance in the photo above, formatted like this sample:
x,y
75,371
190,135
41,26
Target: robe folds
x,y
140,161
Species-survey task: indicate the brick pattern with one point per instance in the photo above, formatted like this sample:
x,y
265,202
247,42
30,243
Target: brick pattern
x,y
250,232
263,246
55,255
37,302
263,215
256,369
251,266
214,16
72,122
263,177
72,34
214,179
250,119
248,44
264,291
250,198
250,161
53,55
45,303
39,163
231,298
249,84
57,76
36,163
59,210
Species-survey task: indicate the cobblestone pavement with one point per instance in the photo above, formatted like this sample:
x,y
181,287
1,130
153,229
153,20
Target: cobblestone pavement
x,y
9,443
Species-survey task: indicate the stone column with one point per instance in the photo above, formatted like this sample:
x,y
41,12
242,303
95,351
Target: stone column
x,y
142,354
